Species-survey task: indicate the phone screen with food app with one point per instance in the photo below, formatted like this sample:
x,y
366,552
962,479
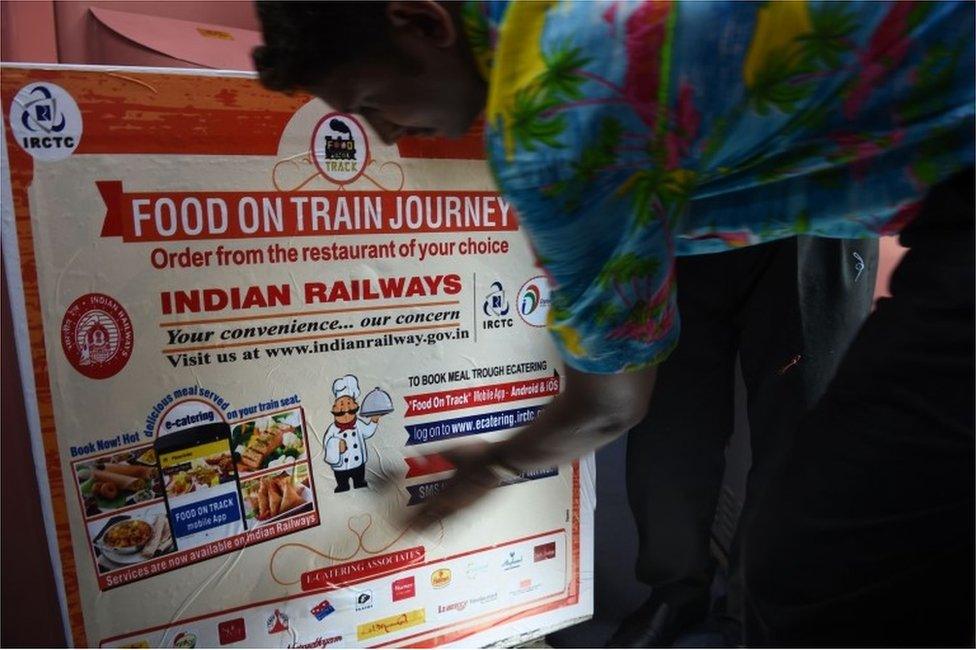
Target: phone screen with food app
x,y
200,480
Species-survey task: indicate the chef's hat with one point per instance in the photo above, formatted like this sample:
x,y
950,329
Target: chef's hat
x,y
347,386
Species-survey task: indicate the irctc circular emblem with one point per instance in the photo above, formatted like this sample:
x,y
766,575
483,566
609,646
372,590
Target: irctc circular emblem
x,y
45,121
96,335
340,149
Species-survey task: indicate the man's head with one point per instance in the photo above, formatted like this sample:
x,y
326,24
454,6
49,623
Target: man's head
x,y
405,66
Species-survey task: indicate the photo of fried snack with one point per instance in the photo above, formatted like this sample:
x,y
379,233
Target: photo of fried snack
x,y
273,497
117,481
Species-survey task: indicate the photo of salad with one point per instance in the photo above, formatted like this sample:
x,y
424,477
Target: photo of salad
x,y
269,442
118,481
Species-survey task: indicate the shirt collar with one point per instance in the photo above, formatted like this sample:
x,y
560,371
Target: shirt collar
x,y
480,19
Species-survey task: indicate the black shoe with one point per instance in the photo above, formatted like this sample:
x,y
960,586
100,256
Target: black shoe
x,y
657,623
342,488
360,485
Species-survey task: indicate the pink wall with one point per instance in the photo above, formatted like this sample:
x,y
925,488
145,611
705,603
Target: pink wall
x,y
53,31
84,39
27,31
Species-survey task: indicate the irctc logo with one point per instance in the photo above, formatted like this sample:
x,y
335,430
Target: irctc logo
x,y
46,121
495,302
41,113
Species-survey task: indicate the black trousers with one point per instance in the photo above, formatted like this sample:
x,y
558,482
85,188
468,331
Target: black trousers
x,y
358,476
788,310
864,535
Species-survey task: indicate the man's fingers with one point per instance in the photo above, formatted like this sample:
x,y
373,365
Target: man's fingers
x,y
460,493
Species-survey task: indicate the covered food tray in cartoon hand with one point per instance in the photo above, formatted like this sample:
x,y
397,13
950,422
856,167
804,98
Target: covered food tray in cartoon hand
x,y
376,402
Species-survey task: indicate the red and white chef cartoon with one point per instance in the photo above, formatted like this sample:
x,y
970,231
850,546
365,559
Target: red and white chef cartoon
x,y
345,439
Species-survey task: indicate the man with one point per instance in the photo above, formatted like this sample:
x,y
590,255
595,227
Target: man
x,y
630,133
787,310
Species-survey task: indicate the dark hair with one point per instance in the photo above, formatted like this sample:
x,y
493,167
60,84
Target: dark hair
x,y
302,38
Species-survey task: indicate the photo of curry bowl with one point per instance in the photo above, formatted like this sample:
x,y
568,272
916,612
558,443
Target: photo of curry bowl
x,y
125,540
127,537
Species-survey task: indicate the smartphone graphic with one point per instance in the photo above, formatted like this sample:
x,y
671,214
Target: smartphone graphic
x,y
202,489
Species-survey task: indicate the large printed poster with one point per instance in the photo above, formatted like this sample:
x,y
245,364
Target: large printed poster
x,y
248,326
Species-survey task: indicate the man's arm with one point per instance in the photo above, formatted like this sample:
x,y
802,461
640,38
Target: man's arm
x,y
591,412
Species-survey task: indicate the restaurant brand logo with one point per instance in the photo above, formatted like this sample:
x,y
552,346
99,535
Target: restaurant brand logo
x,y
452,607
525,586
440,578
185,640
461,605
322,610
318,642
486,598
512,561
231,631
277,622
45,121
340,149
404,588
390,624
364,601
475,569
96,336
544,552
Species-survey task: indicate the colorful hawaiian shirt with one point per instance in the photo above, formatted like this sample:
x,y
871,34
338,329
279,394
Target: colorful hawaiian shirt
x,y
626,133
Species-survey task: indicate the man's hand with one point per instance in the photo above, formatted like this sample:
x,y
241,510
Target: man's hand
x,y
473,478
592,411
343,446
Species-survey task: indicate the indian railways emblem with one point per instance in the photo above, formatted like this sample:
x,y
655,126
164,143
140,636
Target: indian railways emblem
x,y
96,335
